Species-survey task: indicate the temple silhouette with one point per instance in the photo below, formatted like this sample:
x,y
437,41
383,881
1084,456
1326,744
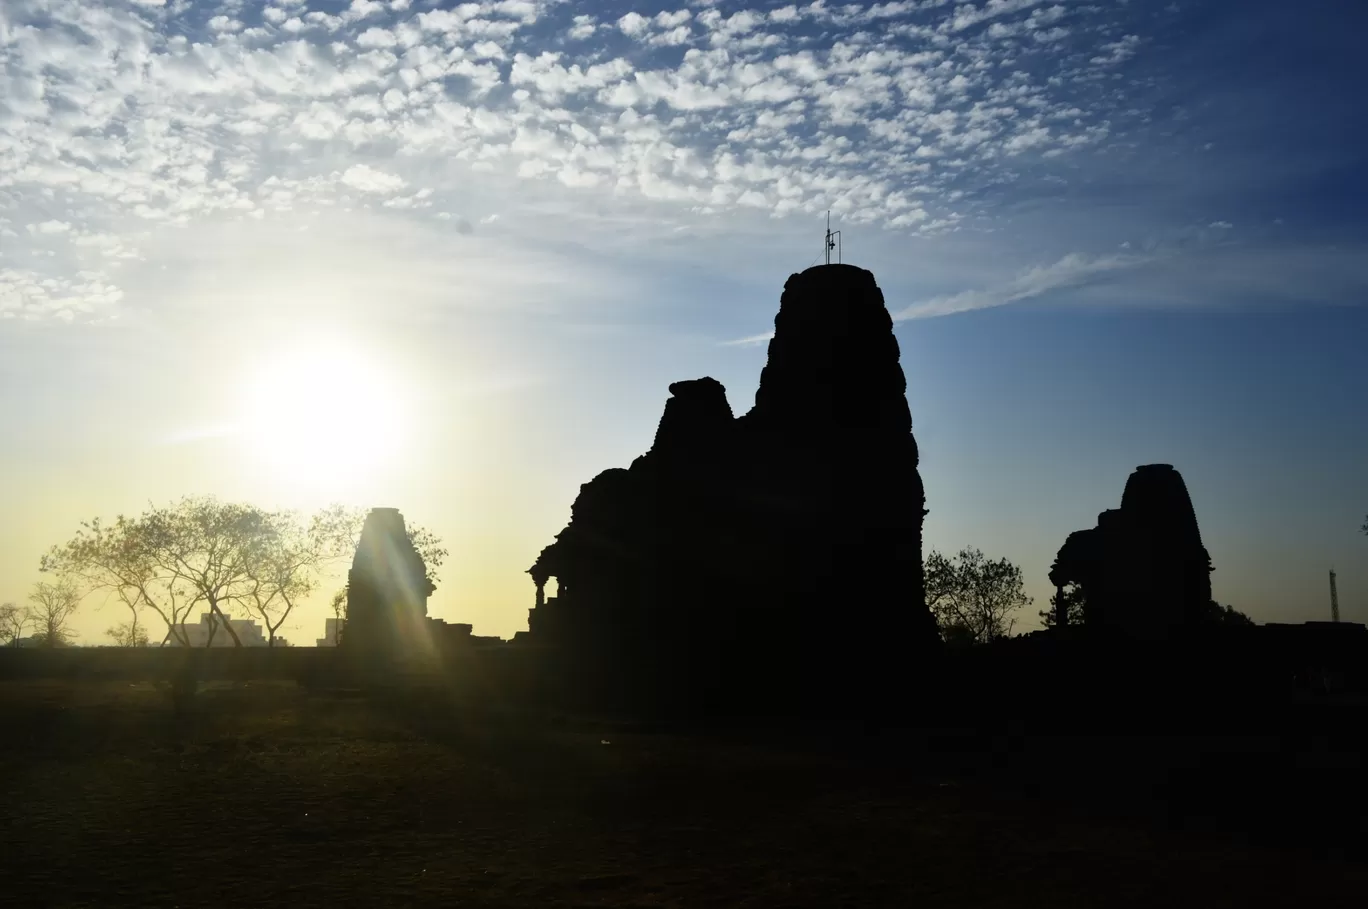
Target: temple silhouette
x,y
1143,569
771,564
388,634
739,558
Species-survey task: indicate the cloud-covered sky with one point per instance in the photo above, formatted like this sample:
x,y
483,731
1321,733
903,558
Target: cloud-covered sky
x,y
537,214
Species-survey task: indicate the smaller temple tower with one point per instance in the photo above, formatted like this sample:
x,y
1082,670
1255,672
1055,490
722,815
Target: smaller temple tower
x,y
387,594
1143,568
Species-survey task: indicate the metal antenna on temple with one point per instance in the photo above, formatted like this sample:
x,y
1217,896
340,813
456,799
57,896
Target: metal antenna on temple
x,y
833,241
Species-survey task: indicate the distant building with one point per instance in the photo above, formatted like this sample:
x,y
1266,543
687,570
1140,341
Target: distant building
x,y
210,632
330,629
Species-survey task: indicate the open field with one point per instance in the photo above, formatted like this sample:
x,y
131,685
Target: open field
x,y
269,795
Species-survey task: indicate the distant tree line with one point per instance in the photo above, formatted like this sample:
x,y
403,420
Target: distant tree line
x,y
196,554
47,615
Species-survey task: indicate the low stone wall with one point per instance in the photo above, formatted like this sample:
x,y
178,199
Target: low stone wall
x,y
496,673
153,663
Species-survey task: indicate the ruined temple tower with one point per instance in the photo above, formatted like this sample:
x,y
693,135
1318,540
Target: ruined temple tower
x,y
387,594
1143,568
745,541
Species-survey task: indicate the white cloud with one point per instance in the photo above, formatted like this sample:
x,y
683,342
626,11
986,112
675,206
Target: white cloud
x,y
752,341
30,295
376,37
633,24
674,19
583,27
225,24
1070,271
1115,52
362,9
369,180
118,118
967,16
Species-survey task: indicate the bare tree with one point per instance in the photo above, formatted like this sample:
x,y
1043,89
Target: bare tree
x,y
429,547
13,621
339,611
973,598
120,560
53,606
171,559
128,634
287,568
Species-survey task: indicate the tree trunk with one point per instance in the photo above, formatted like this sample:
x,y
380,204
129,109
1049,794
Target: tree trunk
x,y
214,606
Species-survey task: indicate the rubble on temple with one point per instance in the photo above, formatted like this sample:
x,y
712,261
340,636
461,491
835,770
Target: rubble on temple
x,y
731,558
1143,569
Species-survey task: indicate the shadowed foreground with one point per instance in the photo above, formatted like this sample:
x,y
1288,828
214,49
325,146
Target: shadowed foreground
x,y
269,795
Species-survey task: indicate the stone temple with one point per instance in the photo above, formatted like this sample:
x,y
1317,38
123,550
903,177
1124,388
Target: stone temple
x,y
767,558
388,634
387,593
1143,569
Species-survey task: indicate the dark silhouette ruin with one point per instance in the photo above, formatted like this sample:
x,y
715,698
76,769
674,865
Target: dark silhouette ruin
x,y
740,554
388,633
387,594
1143,569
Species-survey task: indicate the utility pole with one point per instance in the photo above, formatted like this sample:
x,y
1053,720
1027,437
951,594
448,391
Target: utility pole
x,y
833,241
1334,598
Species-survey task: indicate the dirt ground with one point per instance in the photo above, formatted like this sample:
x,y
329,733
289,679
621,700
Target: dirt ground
x,y
268,795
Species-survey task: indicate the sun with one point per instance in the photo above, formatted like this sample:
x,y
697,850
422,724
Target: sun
x,y
324,415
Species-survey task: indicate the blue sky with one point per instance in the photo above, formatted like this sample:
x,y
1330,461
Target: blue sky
x,y
1111,234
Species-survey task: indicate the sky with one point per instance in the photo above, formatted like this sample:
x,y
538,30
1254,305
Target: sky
x,y
448,257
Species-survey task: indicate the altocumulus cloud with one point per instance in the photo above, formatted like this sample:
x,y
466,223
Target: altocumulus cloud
x,y
121,119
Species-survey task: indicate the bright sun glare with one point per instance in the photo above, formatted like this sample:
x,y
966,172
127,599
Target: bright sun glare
x,y
323,415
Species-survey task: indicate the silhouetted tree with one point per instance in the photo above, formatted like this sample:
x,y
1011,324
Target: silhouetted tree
x,y
128,634
53,606
339,610
122,559
972,597
1075,611
1216,614
13,621
430,547
287,567
1364,528
198,551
